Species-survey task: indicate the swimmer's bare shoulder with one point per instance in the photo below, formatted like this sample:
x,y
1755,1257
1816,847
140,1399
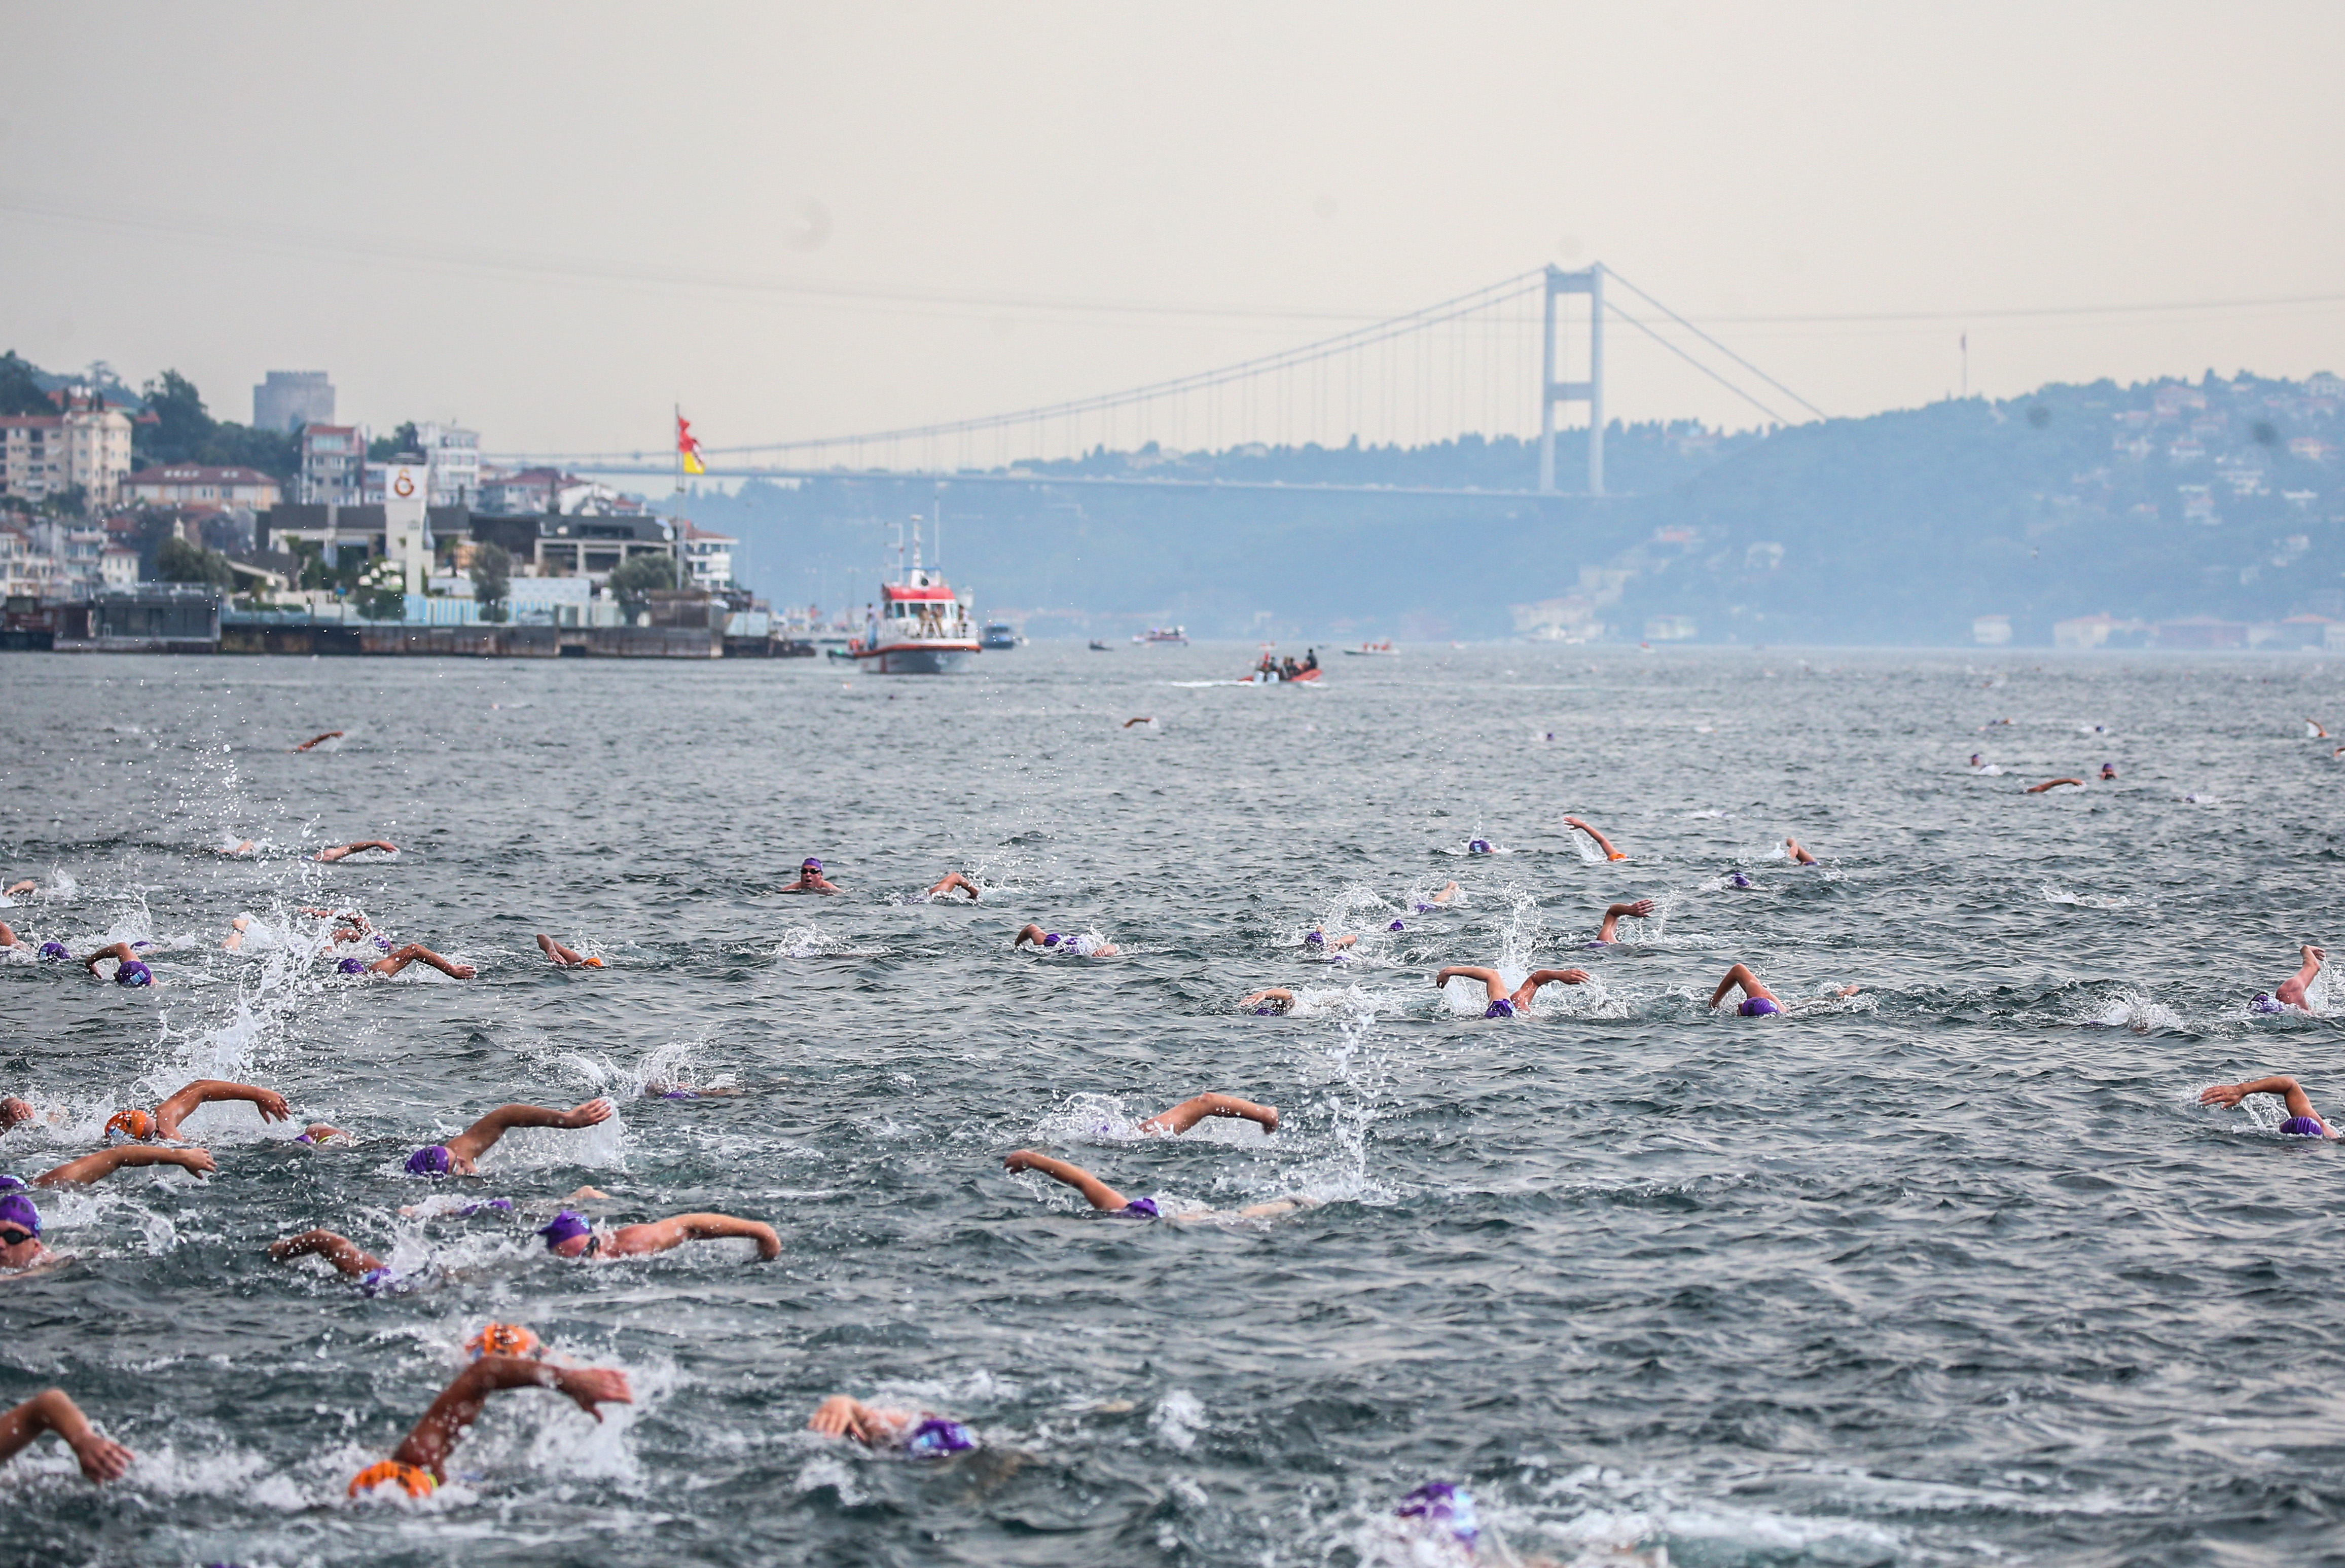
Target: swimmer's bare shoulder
x,y
49,1263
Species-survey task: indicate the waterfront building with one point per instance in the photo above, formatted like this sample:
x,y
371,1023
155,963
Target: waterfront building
x,y
187,484
289,399
454,454
707,555
333,464
87,446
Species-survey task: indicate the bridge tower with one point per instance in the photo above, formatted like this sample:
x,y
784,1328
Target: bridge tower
x,y
1590,391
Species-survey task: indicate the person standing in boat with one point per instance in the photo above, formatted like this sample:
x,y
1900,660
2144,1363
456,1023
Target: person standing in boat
x,y
1310,660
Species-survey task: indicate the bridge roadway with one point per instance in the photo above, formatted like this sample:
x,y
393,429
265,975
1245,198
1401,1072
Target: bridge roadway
x,y
1117,482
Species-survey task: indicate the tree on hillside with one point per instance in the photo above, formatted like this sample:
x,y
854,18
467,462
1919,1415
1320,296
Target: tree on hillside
x,y
492,579
181,425
179,561
386,449
638,577
19,393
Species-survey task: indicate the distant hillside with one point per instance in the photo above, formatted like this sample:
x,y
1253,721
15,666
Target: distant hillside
x,y
2149,503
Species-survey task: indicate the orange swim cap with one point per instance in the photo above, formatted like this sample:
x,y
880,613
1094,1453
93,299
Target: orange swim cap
x,y
594,963
414,1482
138,1126
1618,855
502,1340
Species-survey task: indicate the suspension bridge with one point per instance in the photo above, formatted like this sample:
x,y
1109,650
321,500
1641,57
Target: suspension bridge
x,y
1503,359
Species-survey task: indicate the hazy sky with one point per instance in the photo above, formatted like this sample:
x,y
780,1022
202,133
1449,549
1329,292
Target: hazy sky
x,y
552,222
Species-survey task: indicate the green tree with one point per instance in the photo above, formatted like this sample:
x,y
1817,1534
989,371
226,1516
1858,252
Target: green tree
x,y
19,393
638,577
178,561
385,448
492,579
181,429
67,500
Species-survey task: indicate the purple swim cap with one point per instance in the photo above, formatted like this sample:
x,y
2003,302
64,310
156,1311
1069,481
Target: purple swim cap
x,y
1757,1006
383,943
1051,938
1444,1507
1143,1206
565,1226
1477,846
1316,939
1739,880
433,1161
55,950
13,1184
131,972
2303,1126
1396,926
1501,1008
2263,1002
17,1209
937,1437
352,967
503,1205
809,863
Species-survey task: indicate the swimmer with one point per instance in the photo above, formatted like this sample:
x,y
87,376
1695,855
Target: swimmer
x,y
1315,938
238,928
1506,1004
1757,1000
91,1169
2303,1121
1797,852
1265,1004
923,1434
1129,722
27,886
1608,933
2109,773
459,1156
1108,1200
315,741
954,882
419,1465
20,1231
565,957
811,879
572,1235
341,851
242,847
346,1256
1441,900
1081,946
1977,761
128,969
2054,783
1602,843
2313,732
101,1459
1479,846
398,958
503,1340
139,1127
11,942
2291,992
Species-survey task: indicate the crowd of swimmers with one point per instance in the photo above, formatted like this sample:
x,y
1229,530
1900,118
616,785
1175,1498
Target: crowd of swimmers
x,y
509,1357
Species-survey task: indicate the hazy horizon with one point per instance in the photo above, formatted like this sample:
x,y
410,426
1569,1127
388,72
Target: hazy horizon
x,y
553,223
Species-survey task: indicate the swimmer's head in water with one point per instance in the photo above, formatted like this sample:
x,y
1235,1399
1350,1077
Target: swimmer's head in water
x,y
1443,1507
17,1210
936,1437
502,1340
131,972
811,864
54,951
383,943
433,1161
1143,1206
1738,879
1757,1006
1316,939
412,1480
1477,846
1051,938
2303,1126
2263,1002
132,1125
13,1184
1501,1008
1397,926
567,1226
352,967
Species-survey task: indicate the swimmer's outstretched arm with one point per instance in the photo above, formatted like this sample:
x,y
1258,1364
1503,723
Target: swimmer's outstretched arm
x,y
565,957
1741,974
318,740
1492,981
954,879
1099,1194
210,1091
2290,1092
1538,977
50,1411
1602,843
482,1136
1190,1112
8,938
1277,997
2291,990
460,1404
121,952
2054,783
97,1167
1610,930
839,1416
339,851
398,958
1798,852
641,1240
343,1253
1446,894
1032,932
13,888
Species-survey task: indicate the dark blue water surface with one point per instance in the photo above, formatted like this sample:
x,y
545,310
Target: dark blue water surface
x,y
1953,1271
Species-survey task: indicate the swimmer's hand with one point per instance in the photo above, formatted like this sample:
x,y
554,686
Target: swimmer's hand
x,y
589,1387
839,1416
13,1111
595,1111
587,1194
2224,1095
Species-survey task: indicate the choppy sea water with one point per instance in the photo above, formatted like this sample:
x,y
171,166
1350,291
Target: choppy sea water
x,y
1952,1272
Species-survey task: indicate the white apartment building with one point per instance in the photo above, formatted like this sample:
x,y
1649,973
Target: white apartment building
x,y
333,463
194,484
41,454
708,554
454,454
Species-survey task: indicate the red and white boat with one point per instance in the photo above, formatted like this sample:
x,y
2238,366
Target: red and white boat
x,y
920,627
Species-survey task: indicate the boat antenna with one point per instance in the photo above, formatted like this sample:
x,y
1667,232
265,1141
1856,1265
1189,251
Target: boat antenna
x,y
939,518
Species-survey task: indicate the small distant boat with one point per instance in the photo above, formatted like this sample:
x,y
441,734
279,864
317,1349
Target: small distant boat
x,y
1100,647
1173,636
1000,634
1366,649
846,652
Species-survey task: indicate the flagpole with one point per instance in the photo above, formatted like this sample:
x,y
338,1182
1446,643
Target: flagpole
x,y
676,525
